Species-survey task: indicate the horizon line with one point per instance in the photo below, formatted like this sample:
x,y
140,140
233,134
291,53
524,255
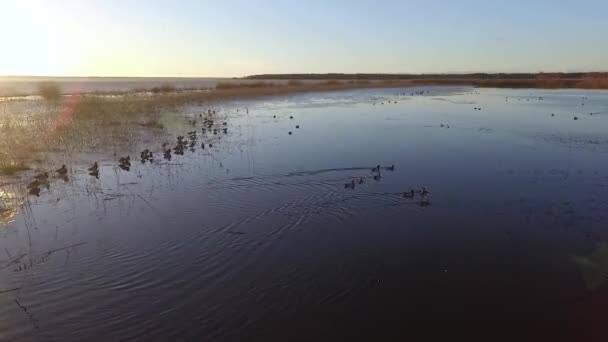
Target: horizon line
x,y
317,73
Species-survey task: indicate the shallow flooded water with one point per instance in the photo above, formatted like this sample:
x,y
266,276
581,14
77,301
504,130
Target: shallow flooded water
x,y
492,220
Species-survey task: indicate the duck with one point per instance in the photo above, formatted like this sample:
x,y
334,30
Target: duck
x,y
62,170
94,168
409,194
35,191
291,117
42,176
297,126
35,184
274,116
290,133
552,114
125,161
391,168
350,185
424,203
376,169
377,177
575,118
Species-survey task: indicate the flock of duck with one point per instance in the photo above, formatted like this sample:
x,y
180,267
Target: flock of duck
x,y
187,142
424,199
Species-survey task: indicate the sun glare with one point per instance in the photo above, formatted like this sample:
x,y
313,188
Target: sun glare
x,y
37,39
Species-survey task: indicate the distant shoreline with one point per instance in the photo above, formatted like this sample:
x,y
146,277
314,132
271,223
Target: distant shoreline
x,y
21,87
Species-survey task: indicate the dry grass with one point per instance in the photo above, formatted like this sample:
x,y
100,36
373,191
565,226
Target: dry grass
x,y
10,167
294,83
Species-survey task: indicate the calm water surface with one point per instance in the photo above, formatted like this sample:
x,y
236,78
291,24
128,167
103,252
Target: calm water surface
x,y
257,238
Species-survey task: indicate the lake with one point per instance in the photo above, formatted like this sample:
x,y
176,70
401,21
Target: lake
x,y
488,216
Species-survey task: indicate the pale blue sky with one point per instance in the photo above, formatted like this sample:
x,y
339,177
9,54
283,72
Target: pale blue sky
x,y
235,38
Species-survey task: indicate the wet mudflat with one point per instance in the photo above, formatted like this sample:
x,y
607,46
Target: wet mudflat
x,y
322,216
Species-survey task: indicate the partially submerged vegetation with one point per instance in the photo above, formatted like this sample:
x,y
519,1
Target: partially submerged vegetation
x,y
49,90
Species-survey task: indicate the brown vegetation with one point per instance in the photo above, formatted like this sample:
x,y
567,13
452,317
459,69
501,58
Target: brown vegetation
x,y
49,90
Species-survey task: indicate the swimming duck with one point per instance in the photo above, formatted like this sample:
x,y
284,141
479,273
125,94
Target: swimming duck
x,y
35,184
291,117
377,177
125,161
35,191
409,194
274,116
94,168
297,126
62,170
575,118
289,133
350,185
552,114
42,177
424,203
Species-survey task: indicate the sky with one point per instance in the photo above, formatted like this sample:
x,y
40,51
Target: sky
x,y
162,38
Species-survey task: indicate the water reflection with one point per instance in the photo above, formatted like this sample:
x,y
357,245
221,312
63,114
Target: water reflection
x,y
407,209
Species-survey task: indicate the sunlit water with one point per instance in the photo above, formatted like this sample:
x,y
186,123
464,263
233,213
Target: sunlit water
x,y
257,238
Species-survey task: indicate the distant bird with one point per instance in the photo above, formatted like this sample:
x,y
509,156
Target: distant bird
x,y
290,133
575,118
62,170
43,177
35,191
297,126
391,168
424,203
350,185
552,114
94,168
377,177
409,194
35,184
376,169
274,116
291,117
